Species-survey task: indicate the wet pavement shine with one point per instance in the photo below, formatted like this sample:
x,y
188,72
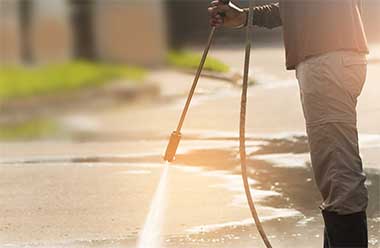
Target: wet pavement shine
x,y
94,186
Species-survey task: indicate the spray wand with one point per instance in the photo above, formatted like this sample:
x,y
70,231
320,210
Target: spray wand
x,y
176,135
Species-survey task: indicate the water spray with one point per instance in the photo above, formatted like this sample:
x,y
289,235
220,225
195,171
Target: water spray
x,y
150,235
176,135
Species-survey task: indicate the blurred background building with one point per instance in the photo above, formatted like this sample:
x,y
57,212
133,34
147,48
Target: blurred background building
x,y
127,31
41,31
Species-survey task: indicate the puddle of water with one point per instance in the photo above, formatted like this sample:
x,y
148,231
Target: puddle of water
x,y
150,236
282,166
279,174
289,160
275,214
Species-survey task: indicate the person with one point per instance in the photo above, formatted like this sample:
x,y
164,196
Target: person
x,y
326,44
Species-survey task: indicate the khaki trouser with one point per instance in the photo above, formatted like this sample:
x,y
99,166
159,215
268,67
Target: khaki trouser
x,y
329,87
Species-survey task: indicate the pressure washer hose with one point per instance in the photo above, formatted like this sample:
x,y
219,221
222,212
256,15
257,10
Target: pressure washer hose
x,y
176,135
243,110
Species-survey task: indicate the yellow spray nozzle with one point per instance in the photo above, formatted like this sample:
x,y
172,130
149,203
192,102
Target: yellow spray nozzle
x,y
171,149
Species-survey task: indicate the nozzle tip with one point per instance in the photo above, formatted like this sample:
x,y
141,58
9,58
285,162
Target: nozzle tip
x,y
168,159
172,146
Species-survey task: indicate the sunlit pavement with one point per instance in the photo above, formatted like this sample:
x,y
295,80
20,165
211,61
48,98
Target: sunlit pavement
x,y
97,192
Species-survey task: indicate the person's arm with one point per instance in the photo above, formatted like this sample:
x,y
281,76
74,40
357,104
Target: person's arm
x,y
234,17
267,16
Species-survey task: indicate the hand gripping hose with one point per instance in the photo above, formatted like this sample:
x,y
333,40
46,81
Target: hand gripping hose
x,y
243,110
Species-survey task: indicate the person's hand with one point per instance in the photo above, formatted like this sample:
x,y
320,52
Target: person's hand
x,y
226,15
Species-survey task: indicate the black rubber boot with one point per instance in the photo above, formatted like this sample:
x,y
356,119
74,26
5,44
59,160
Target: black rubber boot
x,y
345,231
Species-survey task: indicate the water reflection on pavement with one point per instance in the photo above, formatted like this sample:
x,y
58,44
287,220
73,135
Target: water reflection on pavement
x,y
206,202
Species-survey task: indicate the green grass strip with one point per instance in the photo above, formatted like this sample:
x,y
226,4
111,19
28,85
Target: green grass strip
x,y
190,60
16,82
28,130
